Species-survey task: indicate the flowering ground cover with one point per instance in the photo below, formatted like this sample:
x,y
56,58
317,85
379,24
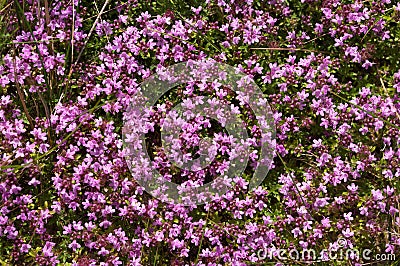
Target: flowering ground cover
x,y
70,71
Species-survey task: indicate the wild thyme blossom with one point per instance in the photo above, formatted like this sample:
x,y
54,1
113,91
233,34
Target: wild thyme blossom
x,y
70,70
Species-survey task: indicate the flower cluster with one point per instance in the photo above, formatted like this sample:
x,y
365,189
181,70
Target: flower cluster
x,y
70,71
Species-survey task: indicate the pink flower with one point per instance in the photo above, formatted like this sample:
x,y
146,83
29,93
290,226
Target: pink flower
x,y
347,233
47,249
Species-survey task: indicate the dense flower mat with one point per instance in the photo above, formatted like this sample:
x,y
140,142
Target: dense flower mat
x,y
69,69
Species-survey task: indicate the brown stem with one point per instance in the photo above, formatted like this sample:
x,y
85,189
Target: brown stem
x,y
46,109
